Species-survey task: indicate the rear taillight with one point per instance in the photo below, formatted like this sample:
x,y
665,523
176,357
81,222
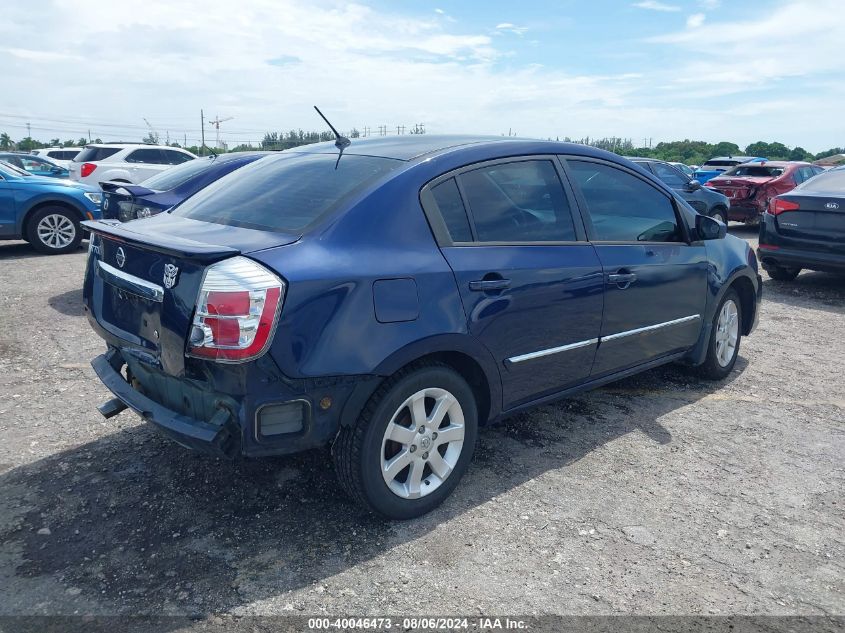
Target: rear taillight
x,y
778,206
236,312
87,169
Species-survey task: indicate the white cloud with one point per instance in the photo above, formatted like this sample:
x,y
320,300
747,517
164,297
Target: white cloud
x,y
654,5
507,27
695,20
440,11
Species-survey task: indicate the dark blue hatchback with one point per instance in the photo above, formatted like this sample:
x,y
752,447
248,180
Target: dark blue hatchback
x,y
390,300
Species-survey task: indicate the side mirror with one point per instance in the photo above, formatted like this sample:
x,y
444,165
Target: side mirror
x,y
709,228
693,185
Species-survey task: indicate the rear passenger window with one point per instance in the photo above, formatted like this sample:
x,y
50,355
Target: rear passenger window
x,y
622,207
451,207
518,202
150,156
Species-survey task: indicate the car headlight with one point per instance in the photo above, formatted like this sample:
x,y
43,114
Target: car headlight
x,y
94,197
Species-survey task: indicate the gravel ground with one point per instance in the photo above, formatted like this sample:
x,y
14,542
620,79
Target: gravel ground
x,y
660,494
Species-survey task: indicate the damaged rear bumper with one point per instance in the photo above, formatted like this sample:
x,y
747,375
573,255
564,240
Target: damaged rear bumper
x,y
219,435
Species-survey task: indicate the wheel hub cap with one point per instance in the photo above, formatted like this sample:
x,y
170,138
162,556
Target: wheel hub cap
x,y
422,443
56,231
727,333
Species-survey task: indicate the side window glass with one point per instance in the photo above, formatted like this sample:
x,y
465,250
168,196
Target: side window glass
x,y
669,175
151,156
518,202
174,158
451,207
622,207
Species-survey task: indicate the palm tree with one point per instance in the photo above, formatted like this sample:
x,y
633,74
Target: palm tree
x,y
6,141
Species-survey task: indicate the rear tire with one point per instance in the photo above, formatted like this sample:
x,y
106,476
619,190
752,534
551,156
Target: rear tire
x,y
54,230
783,274
411,444
725,337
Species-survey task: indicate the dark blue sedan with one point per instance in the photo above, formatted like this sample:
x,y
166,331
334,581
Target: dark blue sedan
x,y
389,300
124,201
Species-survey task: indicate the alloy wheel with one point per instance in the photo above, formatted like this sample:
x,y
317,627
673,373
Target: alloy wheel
x,y
727,333
56,231
422,443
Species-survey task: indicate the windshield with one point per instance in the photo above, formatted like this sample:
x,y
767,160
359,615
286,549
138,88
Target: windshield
x,y
175,176
755,171
285,192
831,182
11,170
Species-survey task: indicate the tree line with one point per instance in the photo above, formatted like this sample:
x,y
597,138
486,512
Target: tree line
x,y
686,151
696,152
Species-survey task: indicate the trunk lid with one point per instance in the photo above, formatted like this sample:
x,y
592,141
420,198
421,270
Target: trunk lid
x,y
738,188
820,218
143,279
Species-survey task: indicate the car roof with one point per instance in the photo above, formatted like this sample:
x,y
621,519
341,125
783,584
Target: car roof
x,y
125,145
414,146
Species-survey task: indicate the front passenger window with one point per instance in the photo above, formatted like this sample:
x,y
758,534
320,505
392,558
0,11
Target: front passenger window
x,y
622,207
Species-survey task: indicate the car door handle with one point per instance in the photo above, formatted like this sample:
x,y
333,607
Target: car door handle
x,y
622,280
485,285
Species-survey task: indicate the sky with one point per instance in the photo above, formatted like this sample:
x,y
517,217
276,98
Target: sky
x,y
659,70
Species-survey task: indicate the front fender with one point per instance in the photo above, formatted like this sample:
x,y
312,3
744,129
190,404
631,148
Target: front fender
x,y
729,262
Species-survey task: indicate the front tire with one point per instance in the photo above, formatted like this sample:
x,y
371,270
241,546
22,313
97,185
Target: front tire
x,y
54,230
721,214
411,444
725,337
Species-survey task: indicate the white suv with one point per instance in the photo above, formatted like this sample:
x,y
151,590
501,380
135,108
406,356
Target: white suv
x,y
124,162
60,155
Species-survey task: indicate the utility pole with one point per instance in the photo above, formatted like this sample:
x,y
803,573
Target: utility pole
x,y
202,127
185,140
216,123
28,130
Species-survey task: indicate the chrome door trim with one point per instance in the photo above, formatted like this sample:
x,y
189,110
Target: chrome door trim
x,y
552,350
130,283
649,328
594,341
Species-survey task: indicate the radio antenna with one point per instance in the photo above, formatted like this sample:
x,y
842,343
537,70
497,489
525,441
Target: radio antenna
x,y
341,142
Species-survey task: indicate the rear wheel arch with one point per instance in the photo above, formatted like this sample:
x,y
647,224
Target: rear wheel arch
x,y
459,352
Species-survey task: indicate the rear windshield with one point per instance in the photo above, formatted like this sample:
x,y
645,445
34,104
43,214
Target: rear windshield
x,y
175,176
832,182
93,154
719,163
285,192
754,171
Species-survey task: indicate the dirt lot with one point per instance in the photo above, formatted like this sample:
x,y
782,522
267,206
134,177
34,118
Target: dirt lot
x,y
659,494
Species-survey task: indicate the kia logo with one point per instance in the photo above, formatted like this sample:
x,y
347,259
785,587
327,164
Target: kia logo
x,y
831,205
120,257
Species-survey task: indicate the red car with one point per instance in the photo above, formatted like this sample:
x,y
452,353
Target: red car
x,y
750,186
